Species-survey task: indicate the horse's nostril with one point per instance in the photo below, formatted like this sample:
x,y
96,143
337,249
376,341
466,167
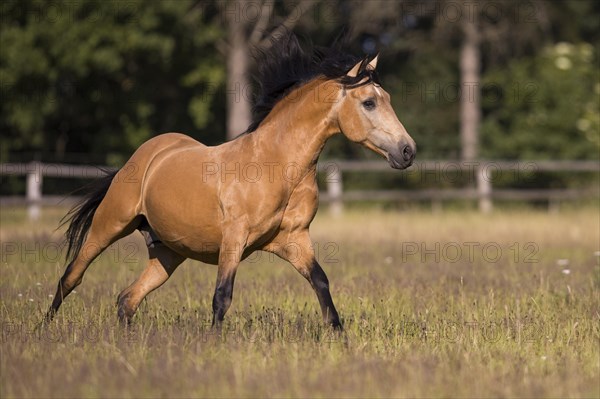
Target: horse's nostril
x,y
407,153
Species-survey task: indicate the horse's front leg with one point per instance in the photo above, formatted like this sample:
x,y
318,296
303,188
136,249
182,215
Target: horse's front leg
x,y
299,252
320,283
230,255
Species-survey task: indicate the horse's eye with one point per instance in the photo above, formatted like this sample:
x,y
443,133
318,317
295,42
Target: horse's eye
x,y
369,104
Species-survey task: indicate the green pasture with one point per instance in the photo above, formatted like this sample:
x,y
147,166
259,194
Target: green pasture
x,y
440,304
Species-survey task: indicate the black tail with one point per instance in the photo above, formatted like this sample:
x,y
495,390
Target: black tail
x,y
80,216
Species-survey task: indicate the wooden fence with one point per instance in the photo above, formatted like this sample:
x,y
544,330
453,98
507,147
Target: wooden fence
x,y
479,175
479,189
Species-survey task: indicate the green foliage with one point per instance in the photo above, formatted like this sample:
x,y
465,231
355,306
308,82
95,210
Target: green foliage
x,y
98,78
103,77
544,107
425,96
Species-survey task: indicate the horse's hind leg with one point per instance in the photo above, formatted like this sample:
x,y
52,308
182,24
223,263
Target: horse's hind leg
x,y
105,230
94,244
163,262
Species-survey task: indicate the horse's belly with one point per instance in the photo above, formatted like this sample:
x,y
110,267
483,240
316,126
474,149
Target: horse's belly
x,y
194,236
182,208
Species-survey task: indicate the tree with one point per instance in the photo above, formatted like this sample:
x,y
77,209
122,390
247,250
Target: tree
x,y
470,106
100,78
249,27
544,107
445,47
88,81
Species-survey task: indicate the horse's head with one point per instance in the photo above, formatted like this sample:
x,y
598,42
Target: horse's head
x,y
366,116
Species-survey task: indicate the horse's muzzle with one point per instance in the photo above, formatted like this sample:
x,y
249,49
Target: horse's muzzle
x,y
404,157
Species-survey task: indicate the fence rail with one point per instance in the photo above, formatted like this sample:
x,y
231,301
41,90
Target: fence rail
x,y
481,189
481,172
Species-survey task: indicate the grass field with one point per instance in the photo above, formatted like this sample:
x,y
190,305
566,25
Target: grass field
x,y
434,305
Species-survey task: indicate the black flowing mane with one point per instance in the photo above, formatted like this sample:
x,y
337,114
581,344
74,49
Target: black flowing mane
x,y
286,66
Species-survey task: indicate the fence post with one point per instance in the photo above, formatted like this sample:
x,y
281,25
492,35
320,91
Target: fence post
x,y
484,189
335,190
34,190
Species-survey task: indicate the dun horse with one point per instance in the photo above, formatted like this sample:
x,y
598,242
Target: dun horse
x,y
258,192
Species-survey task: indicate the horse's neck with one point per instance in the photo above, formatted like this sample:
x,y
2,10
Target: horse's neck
x,y
298,127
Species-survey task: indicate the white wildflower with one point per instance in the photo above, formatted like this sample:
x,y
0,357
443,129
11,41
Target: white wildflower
x,y
563,48
583,124
563,63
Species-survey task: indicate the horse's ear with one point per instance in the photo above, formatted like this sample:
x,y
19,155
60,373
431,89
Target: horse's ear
x,y
356,68
354,71
373,64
